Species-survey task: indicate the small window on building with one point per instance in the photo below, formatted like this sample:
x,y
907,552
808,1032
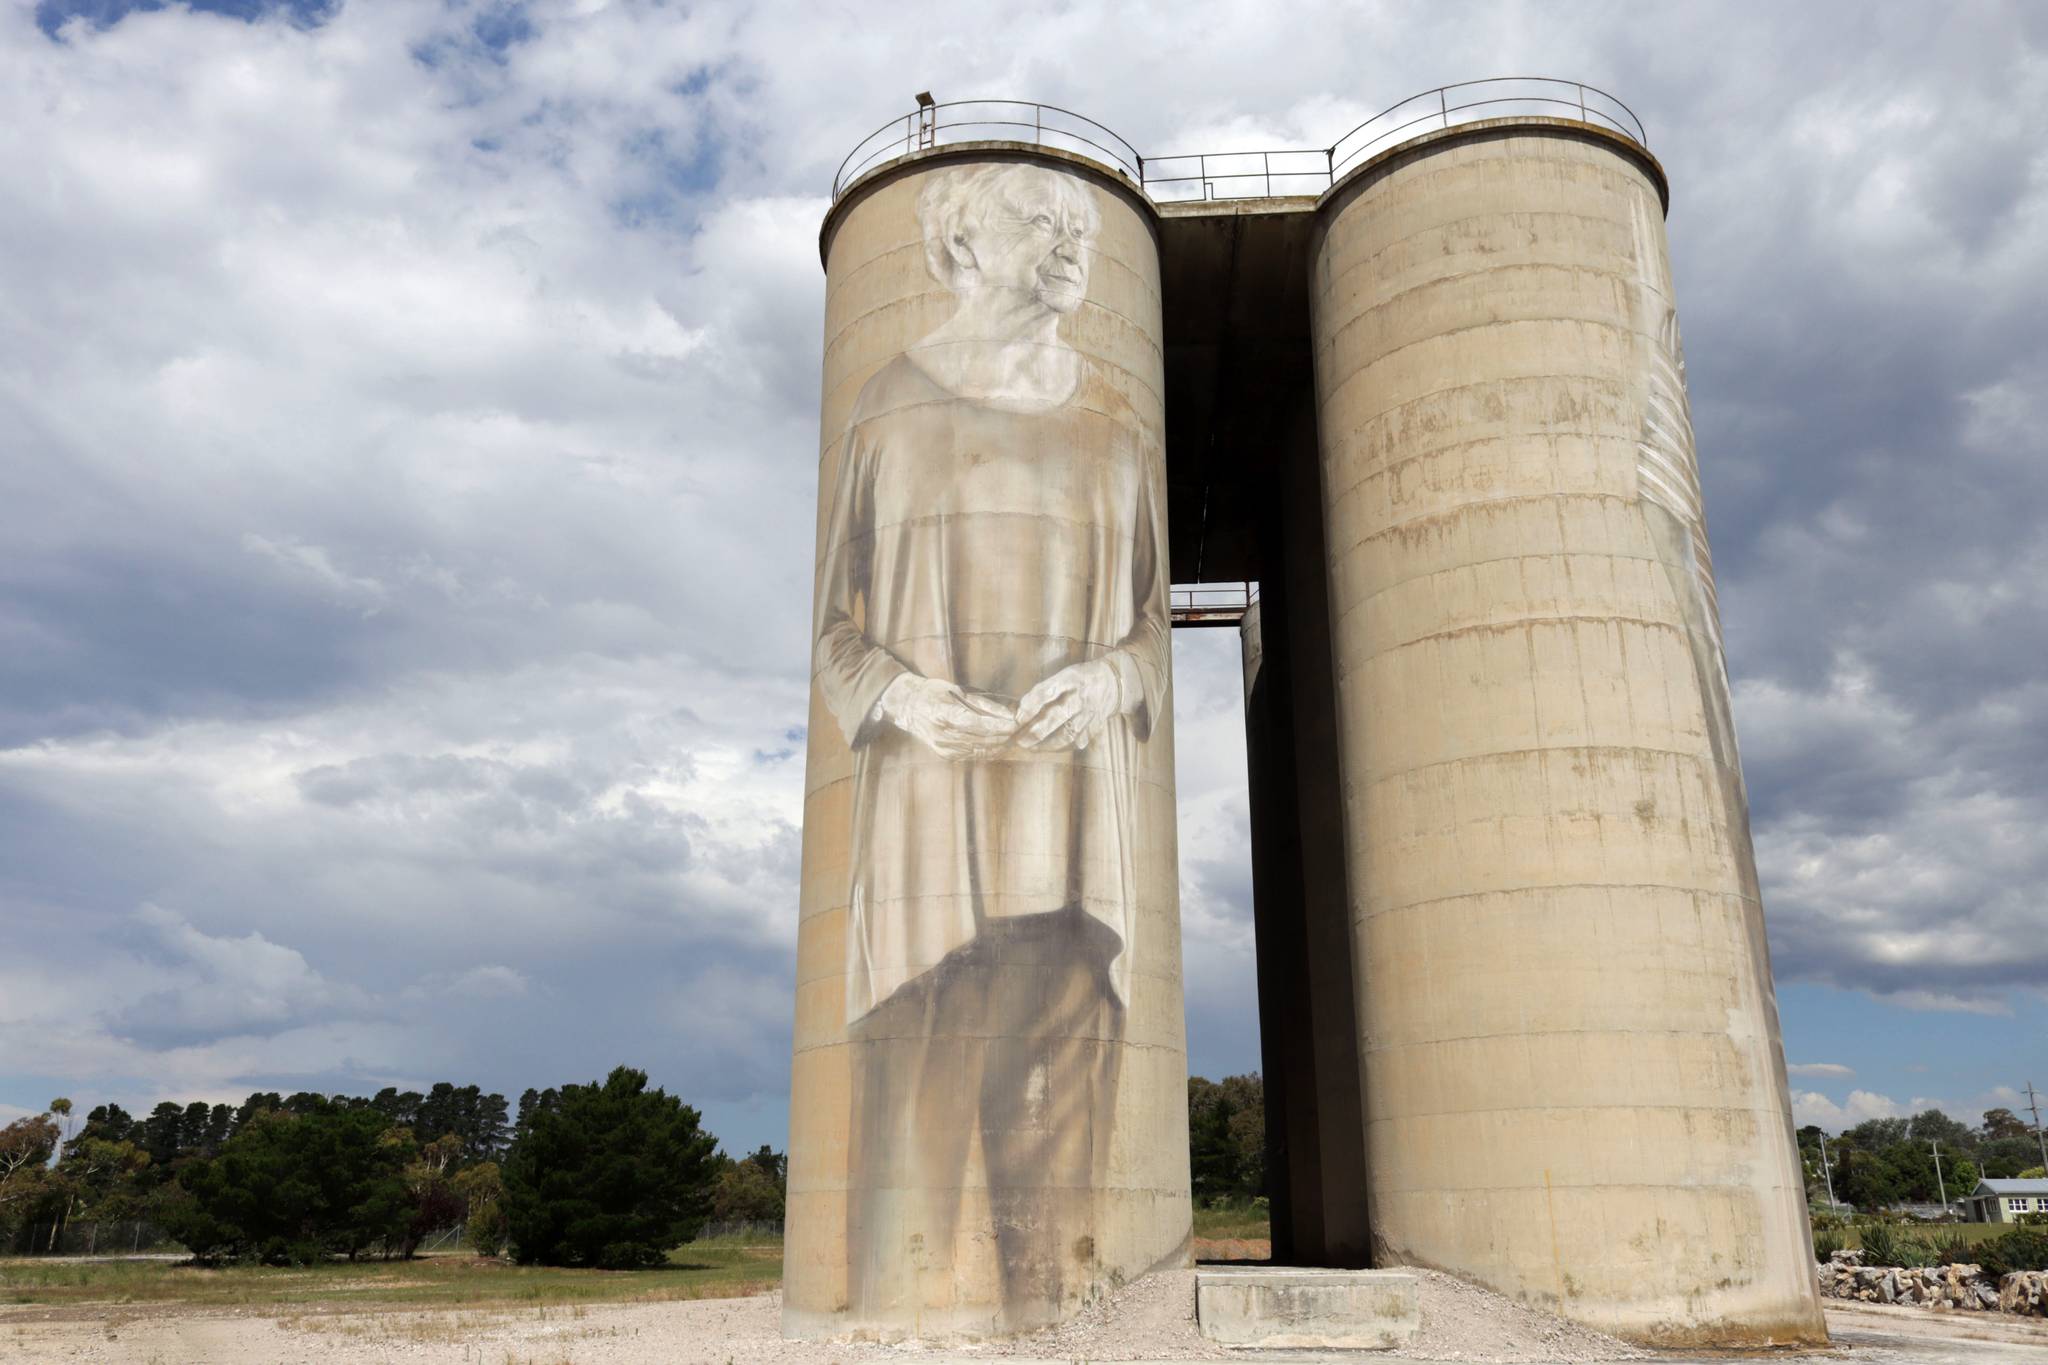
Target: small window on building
x,y
2016,1205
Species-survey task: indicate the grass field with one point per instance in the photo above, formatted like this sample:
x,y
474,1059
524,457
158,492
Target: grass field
x,y
1231,1221
1970,1232
710,1269
714,1268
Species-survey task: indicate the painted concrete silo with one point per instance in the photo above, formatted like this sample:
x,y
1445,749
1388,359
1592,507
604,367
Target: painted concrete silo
x,y
988,1120
1574,1085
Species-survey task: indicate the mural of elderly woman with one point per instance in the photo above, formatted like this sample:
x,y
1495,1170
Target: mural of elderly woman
x,y
992,639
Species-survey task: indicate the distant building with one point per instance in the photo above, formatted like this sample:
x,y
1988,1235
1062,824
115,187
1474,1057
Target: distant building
x,y
2003,1201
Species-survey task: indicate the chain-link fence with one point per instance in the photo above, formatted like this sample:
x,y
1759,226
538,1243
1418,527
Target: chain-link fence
x,y
741,1230
93,1237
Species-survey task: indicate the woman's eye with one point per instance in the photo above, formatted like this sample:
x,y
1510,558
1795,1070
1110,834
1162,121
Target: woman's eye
x,y
1043,220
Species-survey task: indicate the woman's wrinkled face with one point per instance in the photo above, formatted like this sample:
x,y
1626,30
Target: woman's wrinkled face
x,y
1035,238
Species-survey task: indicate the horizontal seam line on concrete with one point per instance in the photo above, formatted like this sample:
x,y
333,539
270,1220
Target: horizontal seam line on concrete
x,y
899,1037
1581,1108
1705,761
1325,398
1420,179
1441,225
1462,565
917,245
1512,440
1353,665
1524,889
822,788
1137,380
1617,1032
1031,635
1597,382
833,341
1451,515
932,520
1328,340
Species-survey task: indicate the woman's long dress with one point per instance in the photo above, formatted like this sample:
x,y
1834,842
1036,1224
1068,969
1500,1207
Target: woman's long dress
x,y
989,548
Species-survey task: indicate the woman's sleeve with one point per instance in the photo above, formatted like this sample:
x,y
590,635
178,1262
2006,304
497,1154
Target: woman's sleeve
x,y
852,671
1143,658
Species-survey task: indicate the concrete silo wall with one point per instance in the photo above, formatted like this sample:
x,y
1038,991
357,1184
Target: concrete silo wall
x,y
1574,1084
988,1119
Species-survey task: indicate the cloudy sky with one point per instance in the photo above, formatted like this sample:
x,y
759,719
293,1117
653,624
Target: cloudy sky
x,y
407,439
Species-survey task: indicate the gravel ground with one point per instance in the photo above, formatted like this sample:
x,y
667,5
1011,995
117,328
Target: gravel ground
x,y
1151,1320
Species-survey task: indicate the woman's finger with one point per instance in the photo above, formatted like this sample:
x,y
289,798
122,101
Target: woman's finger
x,y
967,721
1048,723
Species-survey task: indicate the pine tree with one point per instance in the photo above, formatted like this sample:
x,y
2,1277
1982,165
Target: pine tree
x,y
611,1175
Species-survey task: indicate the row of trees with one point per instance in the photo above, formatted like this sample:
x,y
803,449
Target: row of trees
x,y
614,1173
610,1174
1882,1163
1878,1164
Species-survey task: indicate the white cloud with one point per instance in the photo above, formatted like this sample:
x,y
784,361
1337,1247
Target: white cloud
x,y
1831,1070
1812,1107
232,983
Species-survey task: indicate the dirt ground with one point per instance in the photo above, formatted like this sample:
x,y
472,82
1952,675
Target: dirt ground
x,y
1152,1320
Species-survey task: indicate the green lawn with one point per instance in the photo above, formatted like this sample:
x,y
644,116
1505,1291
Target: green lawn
x,y
700,1270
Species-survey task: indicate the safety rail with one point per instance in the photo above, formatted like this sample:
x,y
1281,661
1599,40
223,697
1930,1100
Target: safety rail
x,y
1210,604
1233,174
931,124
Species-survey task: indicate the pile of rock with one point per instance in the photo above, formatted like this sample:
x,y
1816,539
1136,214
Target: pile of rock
x,y
1955,1287
2026,1292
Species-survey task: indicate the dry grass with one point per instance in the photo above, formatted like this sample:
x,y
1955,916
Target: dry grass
x,y
700,1270
1232,1222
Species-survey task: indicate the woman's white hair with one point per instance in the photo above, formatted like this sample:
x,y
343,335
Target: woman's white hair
x,y
954,202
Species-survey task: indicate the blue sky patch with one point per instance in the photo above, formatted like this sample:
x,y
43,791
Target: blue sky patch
x,y
52,15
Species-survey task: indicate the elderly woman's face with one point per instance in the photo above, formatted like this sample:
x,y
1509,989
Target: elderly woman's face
x,y
1036,238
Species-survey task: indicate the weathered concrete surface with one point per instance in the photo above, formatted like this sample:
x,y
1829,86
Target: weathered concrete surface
x,y
1574,1084
1369,1310
988,1122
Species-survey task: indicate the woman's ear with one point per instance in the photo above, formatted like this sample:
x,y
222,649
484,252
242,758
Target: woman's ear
x,y
966,270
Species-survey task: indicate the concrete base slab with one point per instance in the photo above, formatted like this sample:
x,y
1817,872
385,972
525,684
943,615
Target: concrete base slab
x,y
1287,1307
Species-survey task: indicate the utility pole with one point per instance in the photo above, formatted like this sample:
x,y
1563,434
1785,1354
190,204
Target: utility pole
x,y
1825,1173
1939,1183
2034,1104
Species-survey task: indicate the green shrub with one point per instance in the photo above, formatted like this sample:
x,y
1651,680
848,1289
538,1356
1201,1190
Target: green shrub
x,y
2020,1249
610,1175
1826,1242
487,1232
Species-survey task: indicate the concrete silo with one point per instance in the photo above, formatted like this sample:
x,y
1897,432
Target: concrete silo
x,y
1573,1081
988,1110
1516,1007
